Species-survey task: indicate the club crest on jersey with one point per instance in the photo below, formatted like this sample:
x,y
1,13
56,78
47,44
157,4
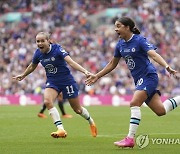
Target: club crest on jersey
x,y
133,49
52,58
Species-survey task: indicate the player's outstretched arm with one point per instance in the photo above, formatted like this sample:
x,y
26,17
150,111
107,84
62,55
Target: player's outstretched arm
x,y
157,58
76,66
28,70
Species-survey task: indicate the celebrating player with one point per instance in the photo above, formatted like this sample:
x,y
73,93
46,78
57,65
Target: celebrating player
x,y
135,49
59,79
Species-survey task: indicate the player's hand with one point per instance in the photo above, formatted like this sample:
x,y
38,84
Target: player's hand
x,y
91,79
87,74
177,75
19,77
173,72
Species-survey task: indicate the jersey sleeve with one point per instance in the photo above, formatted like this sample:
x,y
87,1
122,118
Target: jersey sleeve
x,y
117,51
62,52
146,45
35,59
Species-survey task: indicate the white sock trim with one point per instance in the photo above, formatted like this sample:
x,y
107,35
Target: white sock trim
x,y
85,114
134,121
171,104
53,112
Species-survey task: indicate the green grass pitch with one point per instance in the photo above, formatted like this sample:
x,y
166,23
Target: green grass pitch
x,y
22,132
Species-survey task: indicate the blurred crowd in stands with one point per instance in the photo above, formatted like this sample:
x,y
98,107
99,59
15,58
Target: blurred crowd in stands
x,y
67,21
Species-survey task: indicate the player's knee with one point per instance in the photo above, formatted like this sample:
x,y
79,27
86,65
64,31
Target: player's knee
x,y
133,103
161,113
48,103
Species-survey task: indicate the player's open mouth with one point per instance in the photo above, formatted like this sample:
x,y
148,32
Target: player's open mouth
x,y
119,34
41,48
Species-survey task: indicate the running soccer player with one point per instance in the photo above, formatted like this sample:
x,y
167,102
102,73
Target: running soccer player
x,y
135,49
59,79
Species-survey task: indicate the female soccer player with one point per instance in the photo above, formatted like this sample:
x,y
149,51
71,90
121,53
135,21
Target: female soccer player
x,y
135,49
59,79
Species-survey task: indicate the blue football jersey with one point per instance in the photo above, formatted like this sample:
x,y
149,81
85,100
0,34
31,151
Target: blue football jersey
x,y
135,54
54,64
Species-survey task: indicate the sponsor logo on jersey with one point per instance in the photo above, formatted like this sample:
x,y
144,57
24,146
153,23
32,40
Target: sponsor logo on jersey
x,y
50,68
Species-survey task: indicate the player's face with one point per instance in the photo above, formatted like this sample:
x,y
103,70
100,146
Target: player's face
x,y
120,29
42,43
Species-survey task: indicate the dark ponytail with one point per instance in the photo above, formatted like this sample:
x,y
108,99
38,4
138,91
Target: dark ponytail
x,y
126,21
136,30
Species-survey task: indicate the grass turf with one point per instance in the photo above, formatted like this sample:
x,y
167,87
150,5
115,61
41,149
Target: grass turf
x,y
21,131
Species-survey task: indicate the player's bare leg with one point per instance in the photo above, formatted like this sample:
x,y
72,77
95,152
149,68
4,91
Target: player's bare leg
x,y
49,97
137,100
162,108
